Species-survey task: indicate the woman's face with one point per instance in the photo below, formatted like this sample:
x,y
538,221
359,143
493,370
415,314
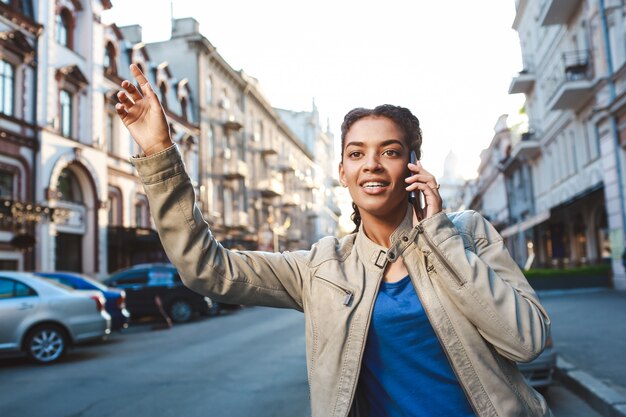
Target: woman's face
x,y
374,166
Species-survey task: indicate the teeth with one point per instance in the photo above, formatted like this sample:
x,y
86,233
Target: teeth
x,y
373,184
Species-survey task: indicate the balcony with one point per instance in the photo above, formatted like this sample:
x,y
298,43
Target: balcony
x,y
266,147
528,147
287,164
571,84
291,200
235,169
270,187
557,12
522,83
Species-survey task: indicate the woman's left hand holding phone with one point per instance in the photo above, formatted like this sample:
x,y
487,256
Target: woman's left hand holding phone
x,y
142,114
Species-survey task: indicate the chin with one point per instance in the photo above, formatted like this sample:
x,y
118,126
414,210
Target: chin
x,y
382,209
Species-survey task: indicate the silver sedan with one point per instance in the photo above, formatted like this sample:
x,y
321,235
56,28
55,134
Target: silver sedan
x,y
43,318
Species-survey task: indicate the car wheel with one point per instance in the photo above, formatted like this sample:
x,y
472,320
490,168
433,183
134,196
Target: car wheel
x,y
46,344
180,311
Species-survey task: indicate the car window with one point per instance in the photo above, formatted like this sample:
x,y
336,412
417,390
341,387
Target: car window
x,y
160,277
63,281
131,278
13,289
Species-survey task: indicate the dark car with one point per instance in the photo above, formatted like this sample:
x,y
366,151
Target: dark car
x,y
115,298
151,286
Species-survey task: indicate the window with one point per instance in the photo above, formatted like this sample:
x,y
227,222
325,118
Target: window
x,y
163,90
208,93
7,87
12,289
6,184
68,187
183,106
63,28
141,213
65,104
109,63
109,134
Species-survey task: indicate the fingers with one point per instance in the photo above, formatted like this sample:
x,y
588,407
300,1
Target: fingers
x,y
420,176
121,110
132,90
145,86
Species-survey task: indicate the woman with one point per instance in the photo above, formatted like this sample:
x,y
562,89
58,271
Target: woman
x,y
402,317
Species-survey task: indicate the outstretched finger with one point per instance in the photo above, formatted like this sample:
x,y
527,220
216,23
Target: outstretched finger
x,y
144,84
132,90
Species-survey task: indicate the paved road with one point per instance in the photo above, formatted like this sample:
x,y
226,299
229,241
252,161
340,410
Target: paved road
x,y
589,330
247,363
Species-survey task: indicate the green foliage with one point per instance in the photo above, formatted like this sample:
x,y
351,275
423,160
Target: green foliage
x,y
590,270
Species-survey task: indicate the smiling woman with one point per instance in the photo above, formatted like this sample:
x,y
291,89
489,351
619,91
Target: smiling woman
x,y
415,313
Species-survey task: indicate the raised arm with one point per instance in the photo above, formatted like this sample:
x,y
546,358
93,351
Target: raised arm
x,y
254,278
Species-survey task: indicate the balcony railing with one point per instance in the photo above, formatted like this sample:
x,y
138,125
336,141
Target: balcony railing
x,y
571,84
237,220
291,199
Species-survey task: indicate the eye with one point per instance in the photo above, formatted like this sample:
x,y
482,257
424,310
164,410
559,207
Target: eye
x,y
354,154
391,152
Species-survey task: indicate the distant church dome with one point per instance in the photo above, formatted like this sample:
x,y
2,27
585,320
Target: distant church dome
x,y
451,167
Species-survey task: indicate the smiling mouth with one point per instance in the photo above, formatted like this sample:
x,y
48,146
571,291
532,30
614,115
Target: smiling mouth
x,y
374,184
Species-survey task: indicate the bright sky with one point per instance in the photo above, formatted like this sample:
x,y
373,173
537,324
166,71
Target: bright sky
x,y
450,62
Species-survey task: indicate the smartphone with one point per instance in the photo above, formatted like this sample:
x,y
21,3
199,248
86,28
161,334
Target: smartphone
x,y
416,198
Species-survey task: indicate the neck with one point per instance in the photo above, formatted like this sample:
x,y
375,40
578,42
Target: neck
x,y
379,229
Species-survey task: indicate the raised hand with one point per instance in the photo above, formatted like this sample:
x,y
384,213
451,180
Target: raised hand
x,y
143,114
425,182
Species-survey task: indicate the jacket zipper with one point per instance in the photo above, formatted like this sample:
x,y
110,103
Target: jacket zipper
x,y
443,260
367,328
349,294
422,268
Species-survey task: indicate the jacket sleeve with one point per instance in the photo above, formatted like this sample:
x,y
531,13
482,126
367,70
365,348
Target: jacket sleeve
x,y
205,266
486,284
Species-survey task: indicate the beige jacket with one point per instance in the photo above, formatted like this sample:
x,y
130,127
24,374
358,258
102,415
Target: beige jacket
x,y
481,307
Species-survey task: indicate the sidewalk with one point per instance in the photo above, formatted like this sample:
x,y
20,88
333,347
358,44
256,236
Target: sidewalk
x,y
589,332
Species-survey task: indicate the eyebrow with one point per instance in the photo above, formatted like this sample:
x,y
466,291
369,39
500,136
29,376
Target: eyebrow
x,y
385,143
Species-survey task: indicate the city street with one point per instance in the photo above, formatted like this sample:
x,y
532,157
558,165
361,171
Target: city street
x,y
249,362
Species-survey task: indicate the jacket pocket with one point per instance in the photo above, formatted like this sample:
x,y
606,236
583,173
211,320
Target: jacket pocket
x,y
341,293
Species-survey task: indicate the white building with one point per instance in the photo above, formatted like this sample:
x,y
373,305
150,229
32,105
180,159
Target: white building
x,y
572,89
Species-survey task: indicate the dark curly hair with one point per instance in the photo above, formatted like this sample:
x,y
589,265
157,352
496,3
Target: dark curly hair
x,y
401,116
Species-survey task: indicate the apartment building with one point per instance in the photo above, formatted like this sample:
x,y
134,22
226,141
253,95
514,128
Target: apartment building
x,y
20,214
574,62
261,183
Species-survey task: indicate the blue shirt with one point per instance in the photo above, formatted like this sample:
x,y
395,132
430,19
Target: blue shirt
x,y
405,371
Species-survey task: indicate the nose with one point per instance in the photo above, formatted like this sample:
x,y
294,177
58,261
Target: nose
x,y
372,164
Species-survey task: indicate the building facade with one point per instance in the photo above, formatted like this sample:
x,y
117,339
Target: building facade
x,y
70,199
570,157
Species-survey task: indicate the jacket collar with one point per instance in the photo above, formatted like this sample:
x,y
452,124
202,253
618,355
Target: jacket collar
x,y
375,256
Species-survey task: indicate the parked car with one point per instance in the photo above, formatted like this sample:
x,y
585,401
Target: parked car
x,y
115,298
42,318
148,285
540,372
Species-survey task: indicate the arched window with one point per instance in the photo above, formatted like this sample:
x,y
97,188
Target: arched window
x,y
68,187
63,23
65,113
110,66
7,87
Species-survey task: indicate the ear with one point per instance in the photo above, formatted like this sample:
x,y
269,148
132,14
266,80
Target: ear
x,y
342,175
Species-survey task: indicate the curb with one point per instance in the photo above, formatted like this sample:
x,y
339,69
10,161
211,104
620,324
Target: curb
x,y
601,397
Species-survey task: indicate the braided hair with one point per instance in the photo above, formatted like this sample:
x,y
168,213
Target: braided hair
x,y
401,116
